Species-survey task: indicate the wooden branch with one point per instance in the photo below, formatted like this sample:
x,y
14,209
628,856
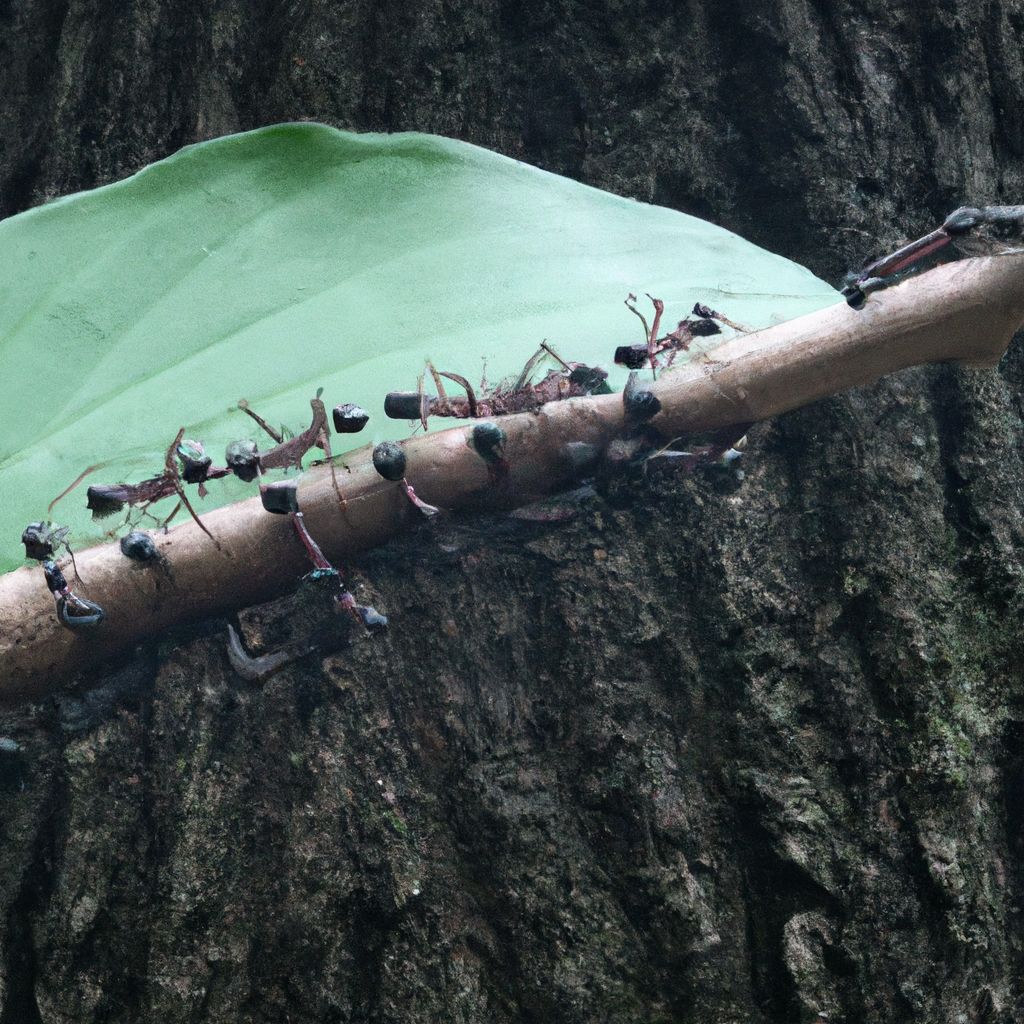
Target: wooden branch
x,y
965,311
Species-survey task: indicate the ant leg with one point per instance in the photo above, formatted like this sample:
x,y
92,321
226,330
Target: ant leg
x,y
906,256
325,444
192,512
389,460
630,303
366,614
172,474
407,490
649,334
554,355
424,413
659,308
463,383
170,466
531,364
78,479
707,313
442,395
275,434
144,513
74,564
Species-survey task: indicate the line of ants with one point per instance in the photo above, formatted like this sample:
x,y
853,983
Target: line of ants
x,y
989,230
186,462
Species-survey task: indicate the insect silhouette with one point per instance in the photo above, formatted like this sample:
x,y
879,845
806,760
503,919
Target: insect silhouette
x,y
702,323
185,462
73,610
973,231
42,540
390,462
571,380
281,498
246,461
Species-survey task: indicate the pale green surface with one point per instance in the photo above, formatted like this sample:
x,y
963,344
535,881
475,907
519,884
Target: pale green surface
x,y
268,264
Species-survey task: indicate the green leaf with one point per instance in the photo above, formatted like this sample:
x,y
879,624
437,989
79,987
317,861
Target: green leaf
x,y
269,264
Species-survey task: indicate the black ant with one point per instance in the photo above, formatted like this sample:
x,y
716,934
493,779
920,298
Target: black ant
x,y
975,231
42,540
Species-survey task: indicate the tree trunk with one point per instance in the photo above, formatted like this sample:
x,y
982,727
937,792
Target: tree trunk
x,y
702,749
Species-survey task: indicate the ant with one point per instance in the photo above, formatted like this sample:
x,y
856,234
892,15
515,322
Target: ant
x,y
281,498
635,357
246,461
196,468
42,540
186,462
72,610
975,231
573,380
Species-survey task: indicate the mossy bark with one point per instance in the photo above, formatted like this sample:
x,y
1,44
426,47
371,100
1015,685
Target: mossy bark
x,y
705,750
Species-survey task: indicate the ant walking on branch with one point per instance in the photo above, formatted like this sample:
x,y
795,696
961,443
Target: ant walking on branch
x,y
572,380
704,323
974,231
246,461
42,540
186,462
196,468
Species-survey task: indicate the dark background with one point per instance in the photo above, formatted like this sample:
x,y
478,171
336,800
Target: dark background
x,y
817,129
707,752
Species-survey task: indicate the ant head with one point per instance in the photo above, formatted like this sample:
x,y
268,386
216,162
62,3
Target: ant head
x,y
243,459
139,547
280,497
389,460
40,539
349,418
640,403
854,295
194,461
633,357
403,405
959,222
487,441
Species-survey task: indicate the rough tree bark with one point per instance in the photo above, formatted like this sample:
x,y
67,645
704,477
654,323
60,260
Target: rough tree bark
x,y
708,751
